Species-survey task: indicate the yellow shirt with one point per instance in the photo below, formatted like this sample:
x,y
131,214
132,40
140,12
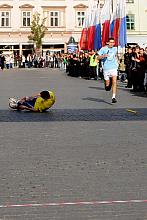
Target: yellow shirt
x,y
42,104
93,61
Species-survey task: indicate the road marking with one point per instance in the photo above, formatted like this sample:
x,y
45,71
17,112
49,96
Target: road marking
x,y
63,204
131,111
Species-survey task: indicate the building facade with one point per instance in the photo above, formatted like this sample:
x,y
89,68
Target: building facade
x,y
136,22
64,19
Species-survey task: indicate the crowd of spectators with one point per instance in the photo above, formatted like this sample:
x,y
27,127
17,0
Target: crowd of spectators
x,y
135,60
87,65
132,67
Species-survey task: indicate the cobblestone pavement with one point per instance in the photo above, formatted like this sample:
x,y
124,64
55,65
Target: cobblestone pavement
x,y
83,150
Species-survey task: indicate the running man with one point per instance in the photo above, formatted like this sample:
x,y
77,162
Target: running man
x,y
36,103
110,66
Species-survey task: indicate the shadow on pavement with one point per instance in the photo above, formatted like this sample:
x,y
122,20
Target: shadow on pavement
x,y
56,115
97,100
140,94
103,89
96,87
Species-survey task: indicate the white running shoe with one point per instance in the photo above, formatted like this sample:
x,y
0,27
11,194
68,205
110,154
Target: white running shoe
x,y
12,100
13,103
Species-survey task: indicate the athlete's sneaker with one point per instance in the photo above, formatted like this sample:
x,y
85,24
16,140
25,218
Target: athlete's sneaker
x,y
114,100
12,100
13,103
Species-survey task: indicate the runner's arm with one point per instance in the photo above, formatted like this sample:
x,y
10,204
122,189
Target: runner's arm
x,y
102,56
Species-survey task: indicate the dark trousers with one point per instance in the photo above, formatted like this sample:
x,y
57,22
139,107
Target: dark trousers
x,y
86,74
141,80
93,72
138,80
129,77
134,74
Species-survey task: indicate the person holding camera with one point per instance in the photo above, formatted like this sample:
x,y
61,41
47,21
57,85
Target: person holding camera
x,y
127,62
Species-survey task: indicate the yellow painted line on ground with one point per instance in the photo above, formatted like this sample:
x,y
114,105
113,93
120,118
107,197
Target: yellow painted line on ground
x,y
131,111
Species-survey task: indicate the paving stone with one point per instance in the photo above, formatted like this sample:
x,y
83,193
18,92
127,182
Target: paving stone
x,y
83,149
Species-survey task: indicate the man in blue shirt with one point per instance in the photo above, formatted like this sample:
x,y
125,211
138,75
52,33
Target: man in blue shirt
x,y
108,54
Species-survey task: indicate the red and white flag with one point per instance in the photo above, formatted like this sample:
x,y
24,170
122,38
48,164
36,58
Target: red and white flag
x,y
92,29
118,24
84,34
115,24
105,21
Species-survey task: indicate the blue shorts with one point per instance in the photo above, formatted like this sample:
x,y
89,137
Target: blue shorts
x,y
28,103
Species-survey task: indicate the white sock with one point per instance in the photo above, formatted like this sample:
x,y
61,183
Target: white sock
x,y
113,96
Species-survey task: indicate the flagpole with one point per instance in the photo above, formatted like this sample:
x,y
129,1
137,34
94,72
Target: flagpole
x,y
112,6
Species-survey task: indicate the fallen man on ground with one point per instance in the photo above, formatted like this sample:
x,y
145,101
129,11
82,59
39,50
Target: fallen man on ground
x,y
37,103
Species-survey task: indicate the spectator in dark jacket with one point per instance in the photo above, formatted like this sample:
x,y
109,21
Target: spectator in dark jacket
x,y
127,62
2,61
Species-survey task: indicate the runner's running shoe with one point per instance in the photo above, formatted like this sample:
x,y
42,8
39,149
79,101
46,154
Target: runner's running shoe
x,y
114,100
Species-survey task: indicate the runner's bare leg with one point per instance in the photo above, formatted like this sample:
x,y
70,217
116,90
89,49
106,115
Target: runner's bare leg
x,y
114,86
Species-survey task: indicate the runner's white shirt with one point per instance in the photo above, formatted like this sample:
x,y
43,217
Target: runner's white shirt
x,y
110,62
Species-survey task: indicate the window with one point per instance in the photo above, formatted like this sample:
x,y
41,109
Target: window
x,y
130,22
129,1
54,18
26,19
5,19
80,18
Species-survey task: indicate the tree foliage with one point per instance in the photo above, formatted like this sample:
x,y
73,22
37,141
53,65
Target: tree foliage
x,y
38,29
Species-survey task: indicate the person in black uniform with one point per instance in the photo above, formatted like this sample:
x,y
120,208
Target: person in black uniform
x,y
128,62
86,62
2,62
76,64
70,65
